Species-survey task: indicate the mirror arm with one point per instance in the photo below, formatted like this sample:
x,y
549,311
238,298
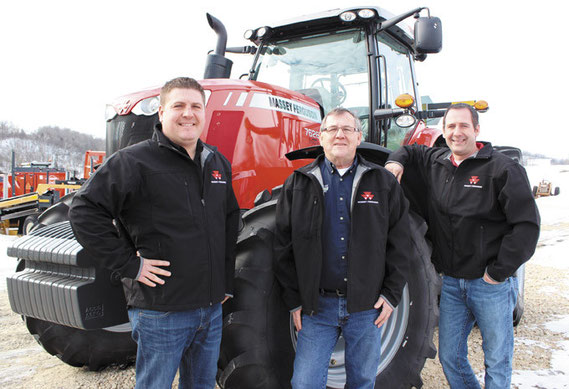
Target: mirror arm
x,y
430,114
387,113
393,21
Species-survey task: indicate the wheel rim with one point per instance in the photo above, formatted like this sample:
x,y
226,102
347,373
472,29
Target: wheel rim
x,y
392,338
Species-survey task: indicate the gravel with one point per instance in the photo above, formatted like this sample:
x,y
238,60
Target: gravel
x,y
25,364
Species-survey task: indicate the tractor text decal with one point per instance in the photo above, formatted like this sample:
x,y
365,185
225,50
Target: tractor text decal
x,y
312,133
265,101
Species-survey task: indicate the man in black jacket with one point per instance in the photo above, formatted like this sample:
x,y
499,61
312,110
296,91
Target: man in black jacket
x,y
484,224
174,203
341,251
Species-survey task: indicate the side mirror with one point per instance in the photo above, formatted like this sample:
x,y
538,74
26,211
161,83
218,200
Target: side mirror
x,y
428,35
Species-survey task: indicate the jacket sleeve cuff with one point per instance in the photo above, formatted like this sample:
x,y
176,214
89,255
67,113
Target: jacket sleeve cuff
x,y
295,309
132,268
393,161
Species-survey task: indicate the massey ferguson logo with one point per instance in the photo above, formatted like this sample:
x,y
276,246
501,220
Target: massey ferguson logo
x,y
472,182
217,176
367,198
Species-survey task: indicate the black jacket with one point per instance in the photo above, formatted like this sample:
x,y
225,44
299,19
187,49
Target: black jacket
x,y
378,252
481,214
172,209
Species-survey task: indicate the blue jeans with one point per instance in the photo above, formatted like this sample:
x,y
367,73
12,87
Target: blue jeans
x,y
318,336
188,340
464,302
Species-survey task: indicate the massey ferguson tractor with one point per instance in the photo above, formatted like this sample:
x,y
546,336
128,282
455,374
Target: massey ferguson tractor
x,y
267,125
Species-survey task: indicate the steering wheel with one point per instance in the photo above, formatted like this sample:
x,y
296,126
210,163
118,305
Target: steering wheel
x,y
327,83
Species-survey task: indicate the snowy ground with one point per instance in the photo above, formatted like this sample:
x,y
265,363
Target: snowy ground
x,y
542,338
552,252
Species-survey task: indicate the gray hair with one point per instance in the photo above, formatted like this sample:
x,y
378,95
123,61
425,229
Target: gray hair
x,y
340,111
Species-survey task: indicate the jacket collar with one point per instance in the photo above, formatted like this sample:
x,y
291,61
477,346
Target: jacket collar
x,y
316,163
484,153
202,149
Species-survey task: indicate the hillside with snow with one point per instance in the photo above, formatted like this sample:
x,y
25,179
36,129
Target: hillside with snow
x,y
63,147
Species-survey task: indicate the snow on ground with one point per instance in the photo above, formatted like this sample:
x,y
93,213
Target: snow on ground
x,y
552,252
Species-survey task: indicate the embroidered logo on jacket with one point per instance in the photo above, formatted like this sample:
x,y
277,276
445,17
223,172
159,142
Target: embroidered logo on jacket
x,y
367,198
472,181
217,176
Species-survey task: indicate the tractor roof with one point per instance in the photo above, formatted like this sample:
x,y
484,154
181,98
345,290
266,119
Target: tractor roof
x,y
330,21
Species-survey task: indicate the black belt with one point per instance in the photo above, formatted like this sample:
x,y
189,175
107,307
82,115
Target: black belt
x,y
332,293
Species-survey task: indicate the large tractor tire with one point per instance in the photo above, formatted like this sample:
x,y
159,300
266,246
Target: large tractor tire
x,y
95,349
519,308
259,340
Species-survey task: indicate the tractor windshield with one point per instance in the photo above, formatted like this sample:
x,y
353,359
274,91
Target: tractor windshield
x,y
331,68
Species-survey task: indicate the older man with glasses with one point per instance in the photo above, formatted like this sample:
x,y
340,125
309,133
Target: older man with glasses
x,y
340,248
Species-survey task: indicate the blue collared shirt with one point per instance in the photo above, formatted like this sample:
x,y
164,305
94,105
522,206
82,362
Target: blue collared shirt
x,y
336,225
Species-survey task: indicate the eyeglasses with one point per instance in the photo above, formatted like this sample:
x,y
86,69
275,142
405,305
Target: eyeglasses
x,y
333,130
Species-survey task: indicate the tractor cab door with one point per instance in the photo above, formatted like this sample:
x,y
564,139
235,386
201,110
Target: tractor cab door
x,y
396,77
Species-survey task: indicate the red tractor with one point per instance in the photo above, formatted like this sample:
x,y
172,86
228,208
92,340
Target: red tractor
x,y
267,125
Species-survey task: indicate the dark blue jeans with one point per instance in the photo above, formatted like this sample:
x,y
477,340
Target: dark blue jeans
x,y
188,340
464,302
318,336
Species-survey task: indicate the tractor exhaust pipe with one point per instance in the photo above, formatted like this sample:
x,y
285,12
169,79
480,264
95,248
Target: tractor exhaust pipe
x,y
217,66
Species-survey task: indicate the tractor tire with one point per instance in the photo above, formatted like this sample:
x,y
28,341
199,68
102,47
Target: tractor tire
x,y
29,224
259,340
95,349
519,308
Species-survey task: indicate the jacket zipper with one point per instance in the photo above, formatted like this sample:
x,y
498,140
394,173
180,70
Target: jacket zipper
x,y
188,197
355,187
449,183
208,236
481,244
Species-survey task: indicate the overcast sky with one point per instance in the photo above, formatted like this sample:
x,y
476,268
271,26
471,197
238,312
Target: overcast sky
x,y
63,60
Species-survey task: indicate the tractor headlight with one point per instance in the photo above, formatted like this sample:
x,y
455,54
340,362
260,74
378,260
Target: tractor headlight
x,y
249,34
366,13
406,120
147,107
348,16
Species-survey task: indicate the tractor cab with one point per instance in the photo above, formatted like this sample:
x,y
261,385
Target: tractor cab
x,y
361,59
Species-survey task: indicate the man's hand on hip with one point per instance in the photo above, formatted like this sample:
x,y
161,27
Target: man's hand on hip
x,y
396,169
385,312
150,271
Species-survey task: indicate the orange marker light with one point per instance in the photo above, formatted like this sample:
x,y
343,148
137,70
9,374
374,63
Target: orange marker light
x,y
404,101
481,105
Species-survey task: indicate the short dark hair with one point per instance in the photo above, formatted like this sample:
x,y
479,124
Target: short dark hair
x,y
340,111
183,83
473,113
